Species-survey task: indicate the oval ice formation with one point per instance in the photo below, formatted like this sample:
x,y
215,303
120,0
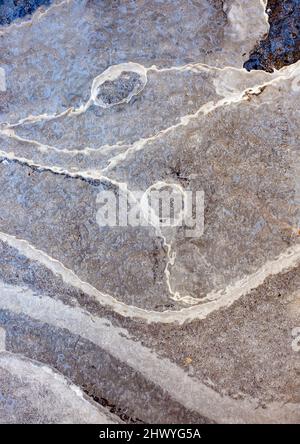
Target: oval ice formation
x,y
118,84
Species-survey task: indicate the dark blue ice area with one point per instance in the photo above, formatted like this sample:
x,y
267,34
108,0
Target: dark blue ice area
x,y
11,10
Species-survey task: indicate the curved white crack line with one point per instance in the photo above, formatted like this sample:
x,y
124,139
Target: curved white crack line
x,y
109,74
35,17
129,148
135,146
90,176
198,66
11,134
215,300
112,73
76,111
188,391
195,67
203,110
171,255
71,111
138,145
47,117
23,367
184,121
85,175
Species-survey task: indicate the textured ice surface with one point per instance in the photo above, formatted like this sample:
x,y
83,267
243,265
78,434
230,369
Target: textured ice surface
x,y
156,326
28,389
